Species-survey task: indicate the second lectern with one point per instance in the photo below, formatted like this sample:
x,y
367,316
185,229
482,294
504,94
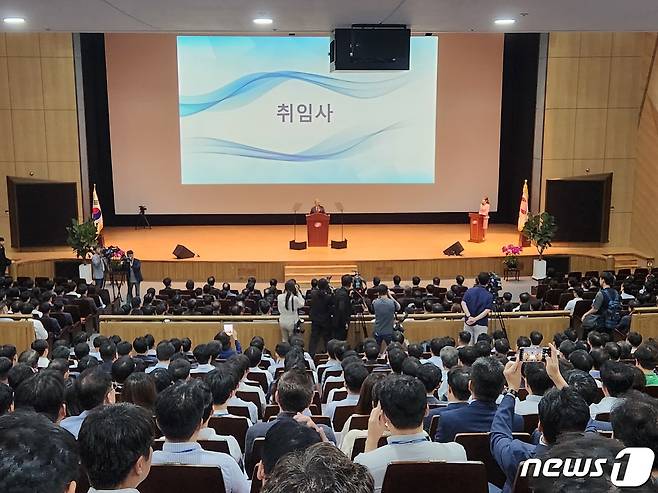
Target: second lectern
x,y
317,227
477,227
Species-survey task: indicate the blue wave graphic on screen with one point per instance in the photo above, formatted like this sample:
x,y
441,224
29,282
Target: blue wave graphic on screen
x,y
251,86
334,147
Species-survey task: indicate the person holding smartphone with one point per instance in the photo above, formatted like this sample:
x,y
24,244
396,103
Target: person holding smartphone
x,y
289,302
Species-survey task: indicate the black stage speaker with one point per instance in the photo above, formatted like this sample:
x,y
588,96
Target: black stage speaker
x,y
183,252
370,47
297,245
40,211
338,245
455,249
581,206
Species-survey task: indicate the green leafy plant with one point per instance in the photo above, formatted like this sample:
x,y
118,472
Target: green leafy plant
x,y
540,229
82,237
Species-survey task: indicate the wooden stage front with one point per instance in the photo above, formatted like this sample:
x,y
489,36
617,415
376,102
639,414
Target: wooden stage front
x,y
234,253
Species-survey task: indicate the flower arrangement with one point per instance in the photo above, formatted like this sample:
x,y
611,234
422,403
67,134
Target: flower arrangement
x,y
512,253
114,255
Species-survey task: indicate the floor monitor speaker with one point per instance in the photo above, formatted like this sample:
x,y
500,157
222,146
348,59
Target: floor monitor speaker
x,y
455,249
182,252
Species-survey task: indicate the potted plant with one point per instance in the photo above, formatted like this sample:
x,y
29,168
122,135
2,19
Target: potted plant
x,y
540,230
512,252
83,239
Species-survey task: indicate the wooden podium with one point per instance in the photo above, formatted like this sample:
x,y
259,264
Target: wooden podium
x,y
317,227
477,227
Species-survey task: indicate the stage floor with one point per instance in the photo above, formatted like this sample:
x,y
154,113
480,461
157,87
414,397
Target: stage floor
x,y
270,243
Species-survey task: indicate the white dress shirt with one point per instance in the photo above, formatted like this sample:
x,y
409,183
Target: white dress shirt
x,y
156,366
435,360
529,406
207,368
350,400
253,410
267,374
571,304
243,387
191,453
605,406
416,447
72,424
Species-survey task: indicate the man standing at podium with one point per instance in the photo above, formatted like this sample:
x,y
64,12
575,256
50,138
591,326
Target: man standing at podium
x,y
317,208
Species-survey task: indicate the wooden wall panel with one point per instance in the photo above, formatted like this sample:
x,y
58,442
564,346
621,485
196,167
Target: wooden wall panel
x,y
595,85
644,223
38,110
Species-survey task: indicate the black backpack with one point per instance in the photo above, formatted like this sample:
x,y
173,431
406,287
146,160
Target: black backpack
x,y
612,312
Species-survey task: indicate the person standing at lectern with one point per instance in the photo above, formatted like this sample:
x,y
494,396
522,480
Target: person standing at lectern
x,y
477,303
484,211
134,268
4,261
317,207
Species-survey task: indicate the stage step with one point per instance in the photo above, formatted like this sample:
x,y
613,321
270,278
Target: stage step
x,y
303,273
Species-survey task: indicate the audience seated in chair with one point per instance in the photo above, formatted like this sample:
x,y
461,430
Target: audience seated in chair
x,y
179,412
537,384
321,467
354,374
164,351
458,394
293,395
402,407
284,437
486,384
617,379
37,455
561,410
93,388
115,447
223,384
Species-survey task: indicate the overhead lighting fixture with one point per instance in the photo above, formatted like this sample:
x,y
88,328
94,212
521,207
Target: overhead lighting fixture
x,y
504,22
263,21
14,20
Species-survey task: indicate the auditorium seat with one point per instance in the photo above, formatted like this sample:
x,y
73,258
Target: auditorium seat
x,y
321,420
652,390
174,478
228,425
478,448
553,296
530,422
340,416
603,417
255,457
328,386
241,411
564,299
252,397
359,422
423,477
434,426
360,445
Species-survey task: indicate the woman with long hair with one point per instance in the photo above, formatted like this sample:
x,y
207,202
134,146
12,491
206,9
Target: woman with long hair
x,y
139,388
289,302
484,211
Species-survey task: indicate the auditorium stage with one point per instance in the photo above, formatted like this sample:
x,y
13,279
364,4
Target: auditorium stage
x,y
236,252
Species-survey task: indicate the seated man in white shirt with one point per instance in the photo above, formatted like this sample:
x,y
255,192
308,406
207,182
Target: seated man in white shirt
x,y
179,414
436,345
40,331
332,363
164,351
537,383
93,389
123,432
402,407
355,373
571,304
449,359
255,356
280,352
206,433
202,355
617,379
41,347
223,384
240,364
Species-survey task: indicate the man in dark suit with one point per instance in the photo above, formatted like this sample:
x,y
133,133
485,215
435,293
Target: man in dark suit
x,y
561,410
317,208
4,261
486,384
342,308
458,394
49,323
134,267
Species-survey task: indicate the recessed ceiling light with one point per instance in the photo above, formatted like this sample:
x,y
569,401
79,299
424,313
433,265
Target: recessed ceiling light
x,y
504,22
263,21
14,20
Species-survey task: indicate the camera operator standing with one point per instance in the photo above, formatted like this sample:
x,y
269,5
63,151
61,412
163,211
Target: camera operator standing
x,y
342,308
384,307
477,303
322,303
